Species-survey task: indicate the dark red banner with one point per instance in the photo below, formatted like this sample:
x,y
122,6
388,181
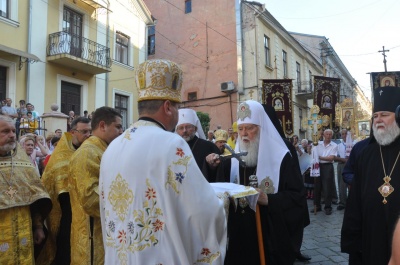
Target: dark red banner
x,y
326,95
278,93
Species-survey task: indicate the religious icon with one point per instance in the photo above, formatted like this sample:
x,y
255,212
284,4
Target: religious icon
x,y
363,128
347,115
387,81
278,104
326,102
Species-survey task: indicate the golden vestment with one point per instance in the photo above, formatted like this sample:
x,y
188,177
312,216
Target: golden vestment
x,y
86,234
22,196
231,143
55,180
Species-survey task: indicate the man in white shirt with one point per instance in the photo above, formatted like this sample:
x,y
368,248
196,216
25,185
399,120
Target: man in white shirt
x,y
9,110
327,150
341,158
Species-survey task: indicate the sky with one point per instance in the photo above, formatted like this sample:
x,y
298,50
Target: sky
x,y
356,29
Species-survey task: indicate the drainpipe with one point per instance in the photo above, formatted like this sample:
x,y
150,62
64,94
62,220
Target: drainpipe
x,y
107,46
28,68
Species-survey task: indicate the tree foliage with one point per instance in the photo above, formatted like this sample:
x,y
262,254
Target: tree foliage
x,y
204,120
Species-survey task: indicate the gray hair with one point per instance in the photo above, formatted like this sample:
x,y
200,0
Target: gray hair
x,y
6,119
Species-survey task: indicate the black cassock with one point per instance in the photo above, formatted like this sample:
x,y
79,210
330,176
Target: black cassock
x,y
282,220
368,223
200,149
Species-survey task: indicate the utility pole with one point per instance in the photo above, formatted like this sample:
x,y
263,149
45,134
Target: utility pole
x,y
384,56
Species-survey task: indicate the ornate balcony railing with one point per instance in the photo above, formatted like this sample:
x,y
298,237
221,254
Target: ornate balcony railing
x,y
80,47
303,87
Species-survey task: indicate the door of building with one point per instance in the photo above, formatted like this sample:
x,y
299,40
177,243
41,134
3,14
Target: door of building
x,y
3,82
70,98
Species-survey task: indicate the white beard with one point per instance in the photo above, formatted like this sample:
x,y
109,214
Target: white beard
x,y
8,147
190,137
387,135
252,149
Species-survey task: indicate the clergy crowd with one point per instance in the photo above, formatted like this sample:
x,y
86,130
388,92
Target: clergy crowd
x,y
161,192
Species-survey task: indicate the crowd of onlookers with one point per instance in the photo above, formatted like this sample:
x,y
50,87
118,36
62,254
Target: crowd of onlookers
x,y
30,133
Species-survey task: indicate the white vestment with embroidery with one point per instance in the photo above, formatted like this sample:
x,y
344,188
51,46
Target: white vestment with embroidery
x,y
156,206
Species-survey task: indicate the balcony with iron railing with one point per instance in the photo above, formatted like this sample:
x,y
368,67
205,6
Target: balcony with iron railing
x,y
304,89
78,53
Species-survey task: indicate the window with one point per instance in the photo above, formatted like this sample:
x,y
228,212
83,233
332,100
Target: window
x,y
188,6
72,24
266,49
298,76
121,47
151,40
121,105
5,8
284,59
310,79
192,96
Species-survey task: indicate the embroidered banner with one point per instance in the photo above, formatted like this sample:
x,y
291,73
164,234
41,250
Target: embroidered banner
x,y
326,95
278,93
380,79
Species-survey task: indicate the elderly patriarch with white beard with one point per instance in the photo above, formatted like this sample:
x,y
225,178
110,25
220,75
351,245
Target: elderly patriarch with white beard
x,y
280,186
24,203
373,206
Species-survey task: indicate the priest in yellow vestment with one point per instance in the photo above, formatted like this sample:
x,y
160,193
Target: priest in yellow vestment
x,y
86,236
57,249
24,203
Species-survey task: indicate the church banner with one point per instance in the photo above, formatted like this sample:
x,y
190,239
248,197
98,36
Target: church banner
x,y
278,93
326,95
381,79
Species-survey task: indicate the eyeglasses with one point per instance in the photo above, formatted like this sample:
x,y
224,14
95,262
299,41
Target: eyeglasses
x,y
84,131
187,128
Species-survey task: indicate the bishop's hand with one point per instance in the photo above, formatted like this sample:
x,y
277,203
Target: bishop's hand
x,y
262,198
213,160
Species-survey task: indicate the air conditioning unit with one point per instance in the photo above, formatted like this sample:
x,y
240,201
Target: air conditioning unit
x,y
227,86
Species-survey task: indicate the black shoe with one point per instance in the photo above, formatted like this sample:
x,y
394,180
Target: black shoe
x,y
340,207
302,257
335,203
328,211
318,210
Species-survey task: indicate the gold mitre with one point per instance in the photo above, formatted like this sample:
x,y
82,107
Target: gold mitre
x,y
221,135
159,79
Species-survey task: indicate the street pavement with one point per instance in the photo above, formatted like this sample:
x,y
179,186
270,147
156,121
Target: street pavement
x,y
321,239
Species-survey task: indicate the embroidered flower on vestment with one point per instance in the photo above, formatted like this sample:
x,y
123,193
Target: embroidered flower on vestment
x,y
122,237
205,251
133,129
4,247
158,225
131,227
159,211
180,152
111,226
150,193
24,241
179,177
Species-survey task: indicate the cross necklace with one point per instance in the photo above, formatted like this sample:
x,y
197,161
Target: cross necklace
x,y
386,188
11,191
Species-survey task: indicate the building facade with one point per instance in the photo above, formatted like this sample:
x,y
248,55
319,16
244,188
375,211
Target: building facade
x,y
80,54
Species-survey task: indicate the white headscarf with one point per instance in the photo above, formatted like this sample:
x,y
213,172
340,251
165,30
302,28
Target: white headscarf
x,y
272,148
190,116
